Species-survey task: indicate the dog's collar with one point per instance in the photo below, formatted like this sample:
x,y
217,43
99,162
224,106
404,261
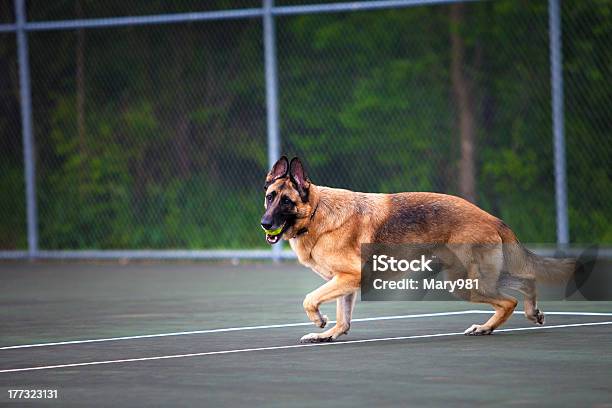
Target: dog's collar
x,y
304,230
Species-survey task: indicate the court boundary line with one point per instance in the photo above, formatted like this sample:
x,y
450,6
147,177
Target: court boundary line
x,y
229,329
293,346
276,326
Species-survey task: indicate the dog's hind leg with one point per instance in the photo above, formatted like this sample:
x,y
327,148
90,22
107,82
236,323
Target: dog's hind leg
x,y
526,287
504,306
488,269
532,312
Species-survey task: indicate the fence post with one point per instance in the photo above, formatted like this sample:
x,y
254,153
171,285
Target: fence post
x,y
556,82
269,33
25,96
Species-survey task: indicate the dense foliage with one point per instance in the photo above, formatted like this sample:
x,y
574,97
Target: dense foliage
x,y
155,136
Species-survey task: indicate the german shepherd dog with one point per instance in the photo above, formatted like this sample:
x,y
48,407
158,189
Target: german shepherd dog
x,y
326,227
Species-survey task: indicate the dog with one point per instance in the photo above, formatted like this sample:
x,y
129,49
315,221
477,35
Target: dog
x,y
326,226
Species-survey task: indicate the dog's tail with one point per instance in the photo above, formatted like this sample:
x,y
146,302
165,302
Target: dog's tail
x,y
550,269
522,262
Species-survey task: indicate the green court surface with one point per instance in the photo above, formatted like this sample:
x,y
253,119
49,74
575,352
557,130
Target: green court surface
x,y
397,353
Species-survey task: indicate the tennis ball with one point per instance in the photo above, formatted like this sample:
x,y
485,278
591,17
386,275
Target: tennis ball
x,y
273,232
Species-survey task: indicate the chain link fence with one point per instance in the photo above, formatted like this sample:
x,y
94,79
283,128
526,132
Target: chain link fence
x,y
381,113
154,139
587,39
154,136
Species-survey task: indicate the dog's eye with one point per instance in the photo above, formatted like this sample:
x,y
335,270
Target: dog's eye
x,y
286,201
269,197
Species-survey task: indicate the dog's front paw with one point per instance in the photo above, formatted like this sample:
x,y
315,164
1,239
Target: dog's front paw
x,y
315,338
322,322
478,330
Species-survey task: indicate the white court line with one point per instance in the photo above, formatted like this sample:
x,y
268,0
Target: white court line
x,y
294,346
275,326
231,329
554,313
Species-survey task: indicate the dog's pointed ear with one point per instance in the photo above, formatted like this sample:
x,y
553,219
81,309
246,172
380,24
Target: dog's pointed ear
x,y
299,178
279,170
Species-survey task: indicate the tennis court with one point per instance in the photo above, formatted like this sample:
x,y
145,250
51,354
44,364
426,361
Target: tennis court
x,y
220,334
135,139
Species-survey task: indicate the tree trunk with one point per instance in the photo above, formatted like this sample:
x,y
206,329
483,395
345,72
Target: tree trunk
x,y
182,128
80,105
80,86
464,106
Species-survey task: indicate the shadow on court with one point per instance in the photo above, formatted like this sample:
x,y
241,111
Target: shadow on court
x,y
430,363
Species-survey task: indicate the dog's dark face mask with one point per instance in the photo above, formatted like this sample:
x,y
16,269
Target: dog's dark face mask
x,y
286,199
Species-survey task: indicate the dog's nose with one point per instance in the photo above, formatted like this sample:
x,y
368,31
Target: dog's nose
x,y
266,225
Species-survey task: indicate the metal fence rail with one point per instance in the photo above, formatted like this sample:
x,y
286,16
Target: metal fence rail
x,y
268,13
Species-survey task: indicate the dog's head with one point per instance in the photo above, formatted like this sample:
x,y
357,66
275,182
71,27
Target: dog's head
x,y
286,201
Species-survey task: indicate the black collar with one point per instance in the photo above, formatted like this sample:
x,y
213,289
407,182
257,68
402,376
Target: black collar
x,y
304,230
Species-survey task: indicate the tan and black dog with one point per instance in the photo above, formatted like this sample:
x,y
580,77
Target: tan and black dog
x,y
326,227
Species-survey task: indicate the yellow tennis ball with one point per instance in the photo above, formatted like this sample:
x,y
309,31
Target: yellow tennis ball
x,y
273,232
